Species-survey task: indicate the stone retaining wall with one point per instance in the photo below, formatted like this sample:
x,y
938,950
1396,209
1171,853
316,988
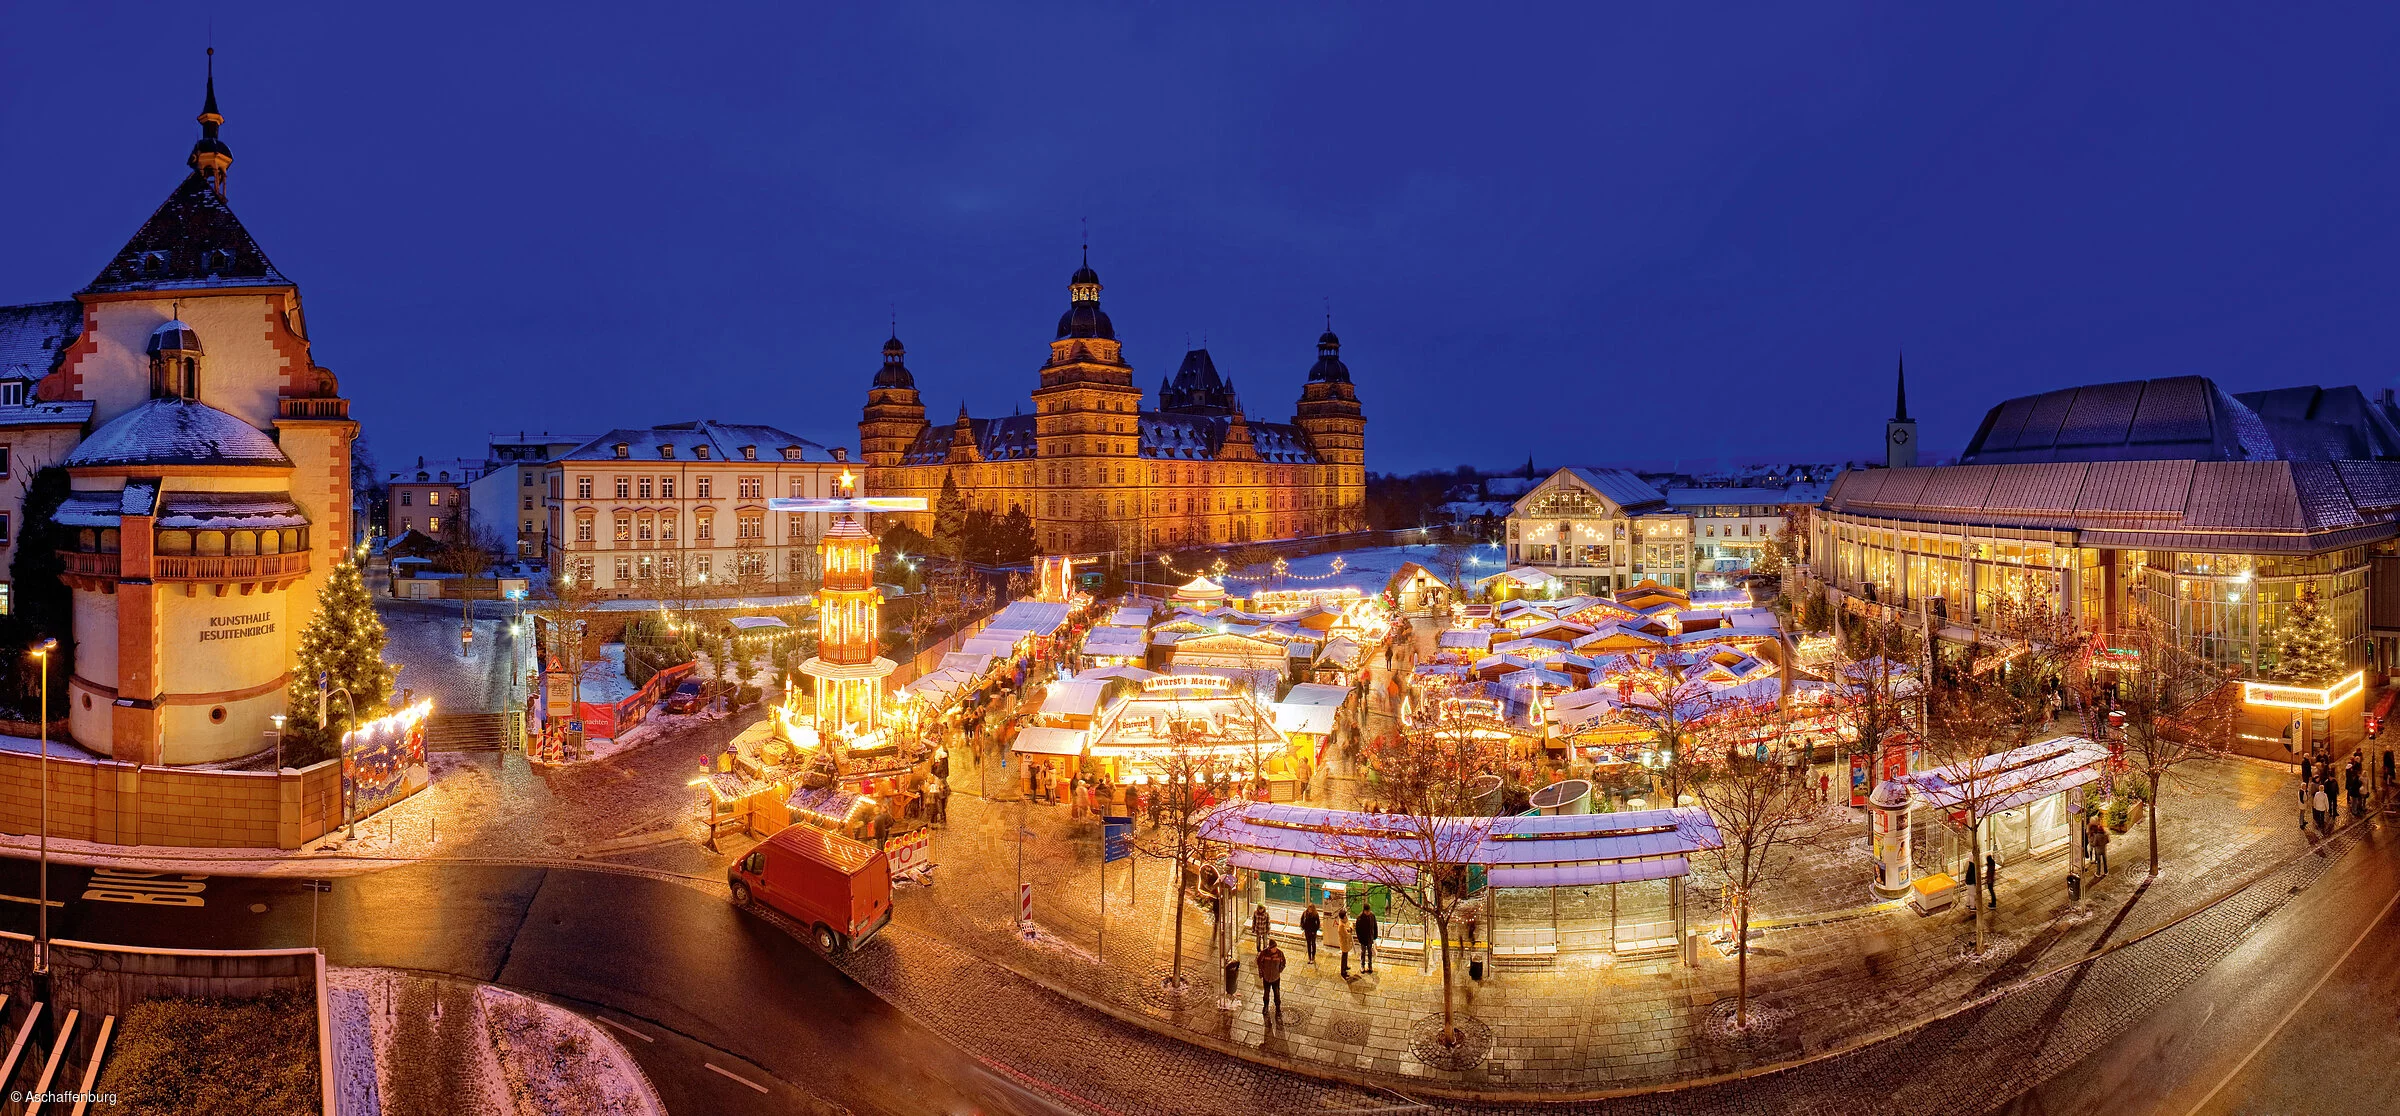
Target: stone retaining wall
x,y
127,804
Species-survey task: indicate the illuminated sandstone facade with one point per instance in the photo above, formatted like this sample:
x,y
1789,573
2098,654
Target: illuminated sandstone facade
x,y
1097,472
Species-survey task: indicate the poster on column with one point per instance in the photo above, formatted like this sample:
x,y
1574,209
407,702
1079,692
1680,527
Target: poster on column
x,y
1858,780
384,759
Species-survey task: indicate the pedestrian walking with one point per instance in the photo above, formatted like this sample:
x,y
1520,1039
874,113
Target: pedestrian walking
x,y
883,827
1824,788
1342,939
1260,924
2100,846
941,803
1310,923
941,763
1270,980
1991,878
1366,940
2387,770
1474,914
2319,804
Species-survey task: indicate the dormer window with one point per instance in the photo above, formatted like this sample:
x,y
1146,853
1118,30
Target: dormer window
x,y
791,453
12,393
667,452
624,450
700,452
749,453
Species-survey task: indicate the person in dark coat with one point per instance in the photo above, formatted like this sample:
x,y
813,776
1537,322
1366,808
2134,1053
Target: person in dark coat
x,y
1270,980
1366,940
1310,923
1991,878
2387,770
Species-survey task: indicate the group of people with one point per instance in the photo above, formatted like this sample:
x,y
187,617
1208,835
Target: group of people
x,y
1349,932
2324,783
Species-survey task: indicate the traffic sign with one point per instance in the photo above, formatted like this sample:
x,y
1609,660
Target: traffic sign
x,y
1025,902
1116,838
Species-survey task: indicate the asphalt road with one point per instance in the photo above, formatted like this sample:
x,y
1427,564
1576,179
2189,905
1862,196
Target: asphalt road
x,y
726,1012
2299,1018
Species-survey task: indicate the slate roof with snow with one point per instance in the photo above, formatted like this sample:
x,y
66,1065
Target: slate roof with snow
x,y
33,337
176,432
191,242
724,441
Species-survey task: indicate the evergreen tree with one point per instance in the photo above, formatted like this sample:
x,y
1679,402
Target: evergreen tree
x,y
976,539
1013,540
950,520
44,607
2307,648
344,642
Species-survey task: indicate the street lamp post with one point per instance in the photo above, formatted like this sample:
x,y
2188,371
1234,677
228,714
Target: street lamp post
x,y
41,937
278,719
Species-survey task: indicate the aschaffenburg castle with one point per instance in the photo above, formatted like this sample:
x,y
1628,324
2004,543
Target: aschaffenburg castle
x,y
1097,471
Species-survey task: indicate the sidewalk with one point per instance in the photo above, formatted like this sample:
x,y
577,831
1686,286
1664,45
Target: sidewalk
x,y
1834,967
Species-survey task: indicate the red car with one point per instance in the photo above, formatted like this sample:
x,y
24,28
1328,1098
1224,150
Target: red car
x,y
685,699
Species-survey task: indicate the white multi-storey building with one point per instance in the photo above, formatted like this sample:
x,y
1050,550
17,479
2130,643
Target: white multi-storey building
x,y
681,510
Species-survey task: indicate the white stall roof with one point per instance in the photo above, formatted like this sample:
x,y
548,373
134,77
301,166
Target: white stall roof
x,y
1045,741
1310,707
1038,617
1116,643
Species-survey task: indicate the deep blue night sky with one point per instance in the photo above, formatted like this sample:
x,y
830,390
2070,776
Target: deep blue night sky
x,y
1598,236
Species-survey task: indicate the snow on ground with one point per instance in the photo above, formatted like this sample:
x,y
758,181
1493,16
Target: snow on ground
x,y
604,678
1368,569
59,749
400,1038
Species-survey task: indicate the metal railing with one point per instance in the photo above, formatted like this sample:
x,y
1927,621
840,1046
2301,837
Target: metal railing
x,y
313,408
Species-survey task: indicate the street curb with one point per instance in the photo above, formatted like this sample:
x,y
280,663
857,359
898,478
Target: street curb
x,y
1335,1075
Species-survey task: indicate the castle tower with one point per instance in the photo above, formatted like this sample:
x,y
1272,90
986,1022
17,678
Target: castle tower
x,y
848,669
1087,425
893,418
1900,433
1336,427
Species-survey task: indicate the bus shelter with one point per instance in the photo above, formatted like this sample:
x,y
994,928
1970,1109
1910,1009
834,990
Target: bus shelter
x,y
1549,884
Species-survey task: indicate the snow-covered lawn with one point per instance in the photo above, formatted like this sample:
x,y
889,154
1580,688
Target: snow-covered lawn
x,y
1368,569
406,1035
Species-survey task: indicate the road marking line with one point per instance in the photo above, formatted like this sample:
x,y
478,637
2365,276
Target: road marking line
x,y
2305,997
735,1076
624,1028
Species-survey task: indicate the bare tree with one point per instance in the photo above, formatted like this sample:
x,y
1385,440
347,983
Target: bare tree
x,y
1762,811
1176,836
1452,561
2039,647
1421,848
2178,708
564,614
1879,691
1967,720
1656,693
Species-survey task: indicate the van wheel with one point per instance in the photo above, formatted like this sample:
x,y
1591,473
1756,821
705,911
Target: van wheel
x,y
828,943
741,894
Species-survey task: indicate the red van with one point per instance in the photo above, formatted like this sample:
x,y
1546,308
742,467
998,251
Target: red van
x,y
838,888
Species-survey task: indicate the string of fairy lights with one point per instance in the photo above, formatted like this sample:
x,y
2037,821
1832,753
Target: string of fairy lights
x,y
1283,571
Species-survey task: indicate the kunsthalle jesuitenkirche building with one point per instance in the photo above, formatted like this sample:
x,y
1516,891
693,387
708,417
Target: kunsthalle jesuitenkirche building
x,y
2211,509
209,461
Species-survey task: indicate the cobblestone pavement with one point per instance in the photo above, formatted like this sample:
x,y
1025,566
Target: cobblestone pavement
x,y
1972,1061
1832,966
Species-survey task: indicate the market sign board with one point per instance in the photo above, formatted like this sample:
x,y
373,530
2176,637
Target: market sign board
x,y
2279,696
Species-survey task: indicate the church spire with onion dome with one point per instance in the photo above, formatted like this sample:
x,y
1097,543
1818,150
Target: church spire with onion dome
x,y
210,157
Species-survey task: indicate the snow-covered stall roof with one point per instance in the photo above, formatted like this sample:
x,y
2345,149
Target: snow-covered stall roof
x,y
1041,618
1310,707
1116,643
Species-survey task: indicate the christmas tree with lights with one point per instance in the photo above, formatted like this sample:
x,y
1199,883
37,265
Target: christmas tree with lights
x,y
344,643
2307,648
